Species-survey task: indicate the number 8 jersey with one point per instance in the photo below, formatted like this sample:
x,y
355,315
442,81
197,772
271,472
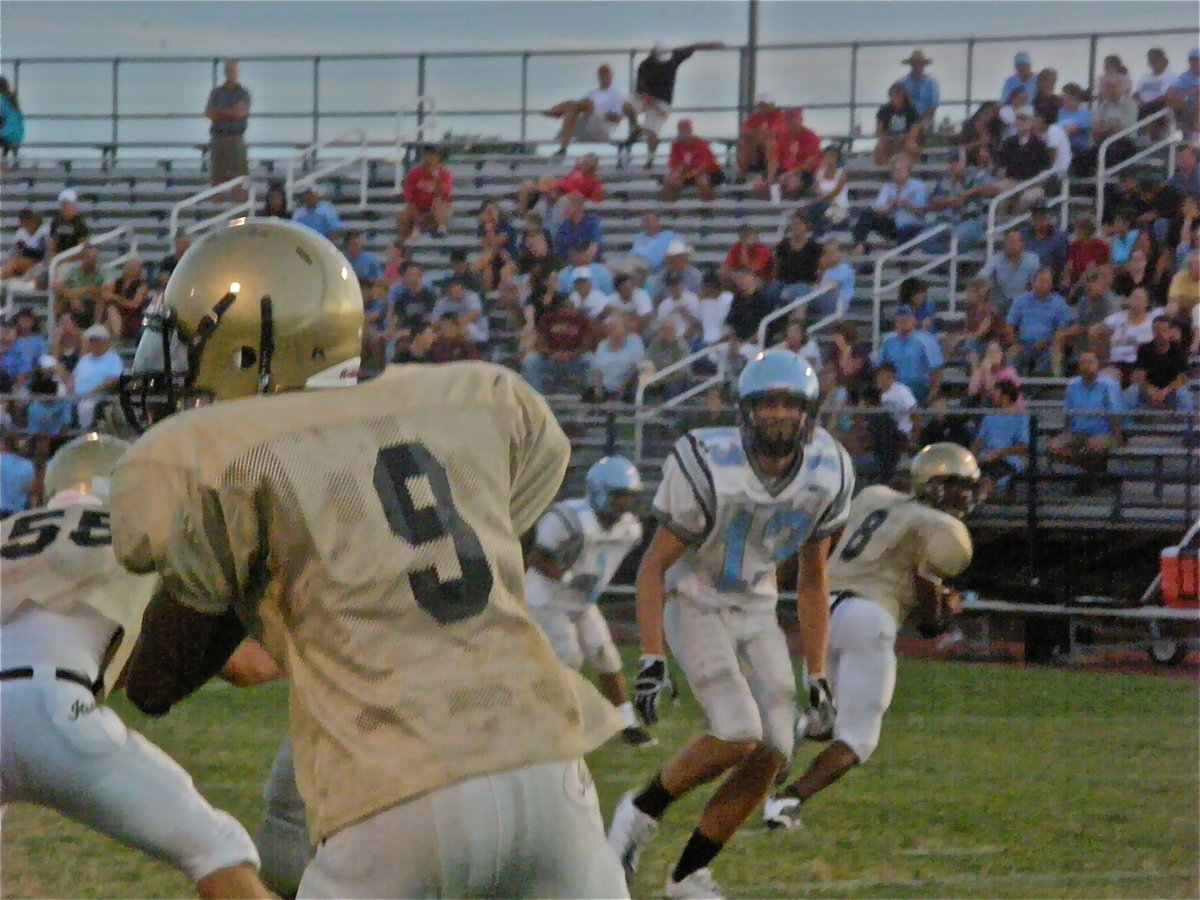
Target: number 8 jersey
x,y
739,529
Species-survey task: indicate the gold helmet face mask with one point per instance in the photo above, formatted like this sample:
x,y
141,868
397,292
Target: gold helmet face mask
x,y
946,476
83,467
252,308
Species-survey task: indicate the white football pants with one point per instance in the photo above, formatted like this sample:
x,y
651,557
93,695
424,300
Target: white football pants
x,y
578,635
862,671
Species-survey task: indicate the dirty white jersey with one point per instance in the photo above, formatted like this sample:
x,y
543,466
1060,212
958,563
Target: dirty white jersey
x,y
889,540
571,535
61,561
738,529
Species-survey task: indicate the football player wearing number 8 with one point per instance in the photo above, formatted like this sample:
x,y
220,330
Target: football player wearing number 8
x,y
888,568
733,504
71,616
578,547
373,531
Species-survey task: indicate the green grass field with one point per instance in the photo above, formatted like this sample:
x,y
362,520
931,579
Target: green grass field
x,y
990,781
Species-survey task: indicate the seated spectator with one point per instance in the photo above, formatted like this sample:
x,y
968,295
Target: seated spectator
x,y
941,426
714,304
1115,70
80,291
914,356
465,307
1002,442
1092,404
317,214
897,212
832,204
838,276
1160,374
166,266
691,163
1113,111
960,199
1085,251
375,320
535,260
681,305
364,263
601,278
1036,317
462,270
748,252
1136,274
1011,272
855,370
834,400
1075,119
1186,180
428,195
592,118
1019,100
679,260
1121,334
397,257
761,133
67,227
651,243
1184,97
1044,101
798,152
585,295
96,374
616,361
875,442
988,370
123,302
415,340
17,477
1044,239
1151,89
1156,204
21,357
1183,300
579,228
914,293
546,192
794,262
67,345
751,303
558,362
275,202
452,343
633,301
1121,236
1022,77
497,246
983,131
897,127
1020,158
409,297
1056,140
896,398
796,339
1092,308
49,412
29,247
923,90
983,323
663,350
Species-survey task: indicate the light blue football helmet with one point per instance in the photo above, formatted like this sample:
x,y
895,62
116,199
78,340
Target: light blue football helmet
x,y
612,473
777,372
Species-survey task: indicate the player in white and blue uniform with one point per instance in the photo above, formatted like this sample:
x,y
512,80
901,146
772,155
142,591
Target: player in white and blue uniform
x,y
578,547
733,504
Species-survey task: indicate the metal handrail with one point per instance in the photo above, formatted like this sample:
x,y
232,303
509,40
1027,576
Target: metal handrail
x,y
879,288
1062,201
57,261
1103,170
425,109
641,413
245,208
796,304
293,183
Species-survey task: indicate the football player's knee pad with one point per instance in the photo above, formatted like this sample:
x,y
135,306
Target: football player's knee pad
x,y
602,656
228,845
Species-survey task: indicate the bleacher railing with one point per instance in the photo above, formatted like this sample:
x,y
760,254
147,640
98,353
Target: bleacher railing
x,y
716,353
54,269
424,110
879,288
299,163
244,209
800,302
1105,171
1062,201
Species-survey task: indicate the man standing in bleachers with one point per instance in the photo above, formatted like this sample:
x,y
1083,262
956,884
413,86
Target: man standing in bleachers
x,y
654,89
228,109
914,354
1022,77
923,91
319,215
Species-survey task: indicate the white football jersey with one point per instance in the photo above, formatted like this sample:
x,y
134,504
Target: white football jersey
x,y
571,535
738,529
61,560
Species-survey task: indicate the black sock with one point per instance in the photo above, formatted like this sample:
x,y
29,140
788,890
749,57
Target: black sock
x,y
654,799
698,853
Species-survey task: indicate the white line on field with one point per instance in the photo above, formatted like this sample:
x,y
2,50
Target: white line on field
x,y
855,884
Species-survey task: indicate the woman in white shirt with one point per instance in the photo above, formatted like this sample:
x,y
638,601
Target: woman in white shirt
x,y
1126,331
832,206
30,244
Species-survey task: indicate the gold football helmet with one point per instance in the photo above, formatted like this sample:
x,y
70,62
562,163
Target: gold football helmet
x,y
254,307
946,476
84,465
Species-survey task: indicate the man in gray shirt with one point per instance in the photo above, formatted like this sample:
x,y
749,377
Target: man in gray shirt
x,y
228,109
1011,272
1094,303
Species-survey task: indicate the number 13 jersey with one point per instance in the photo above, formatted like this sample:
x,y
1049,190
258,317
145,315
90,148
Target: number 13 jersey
x,y
375,530
738,529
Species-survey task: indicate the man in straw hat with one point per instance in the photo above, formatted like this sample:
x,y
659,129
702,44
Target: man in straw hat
x,y
923,90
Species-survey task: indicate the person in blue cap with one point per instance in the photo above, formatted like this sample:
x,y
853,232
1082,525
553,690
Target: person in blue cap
x,y
1022,76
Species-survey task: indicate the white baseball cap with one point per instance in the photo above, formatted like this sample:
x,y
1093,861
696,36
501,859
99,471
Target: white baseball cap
x,y
581,273
68,195
96,333
678,248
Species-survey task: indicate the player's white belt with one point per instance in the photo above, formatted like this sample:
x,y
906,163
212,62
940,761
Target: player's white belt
x,y
61,674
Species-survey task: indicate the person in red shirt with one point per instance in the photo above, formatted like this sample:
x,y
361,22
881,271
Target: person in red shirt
x,y
563,334
428,193
582,180
748,252
761,131
1084,252
691,162
798,156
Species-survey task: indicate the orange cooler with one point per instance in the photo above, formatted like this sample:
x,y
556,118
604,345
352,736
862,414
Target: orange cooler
x,y
1180,569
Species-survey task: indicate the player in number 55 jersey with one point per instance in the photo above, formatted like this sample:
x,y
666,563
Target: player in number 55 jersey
x,y
887,569
374,530
734,504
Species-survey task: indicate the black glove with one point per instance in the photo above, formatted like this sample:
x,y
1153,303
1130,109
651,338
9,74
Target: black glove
x,y
652,681
822,711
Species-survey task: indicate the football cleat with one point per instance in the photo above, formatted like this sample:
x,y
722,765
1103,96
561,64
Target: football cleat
x,y
638,736
782,813
630,831
700,885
